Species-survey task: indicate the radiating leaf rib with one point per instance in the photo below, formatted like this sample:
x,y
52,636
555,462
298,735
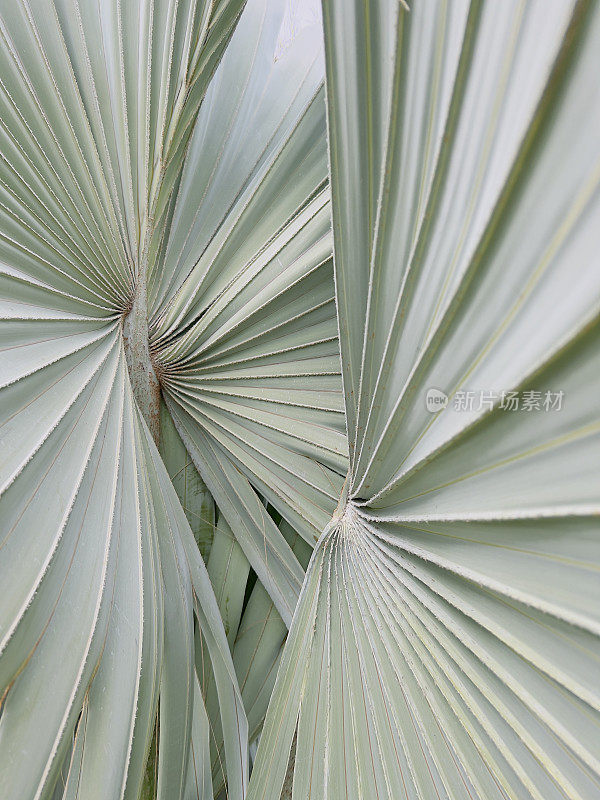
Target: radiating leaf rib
x,y
464,198
257,534
196,500
104,598
432,641
252,291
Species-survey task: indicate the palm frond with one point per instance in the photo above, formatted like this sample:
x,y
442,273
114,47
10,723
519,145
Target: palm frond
x,y
447,632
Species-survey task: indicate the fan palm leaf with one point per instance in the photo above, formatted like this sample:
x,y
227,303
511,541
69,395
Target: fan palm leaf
x,y
138,258
446,640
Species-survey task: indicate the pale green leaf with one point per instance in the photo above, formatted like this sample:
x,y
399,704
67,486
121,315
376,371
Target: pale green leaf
x,y
451,649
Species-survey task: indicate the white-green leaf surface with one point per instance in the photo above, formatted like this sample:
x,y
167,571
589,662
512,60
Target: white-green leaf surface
x,y
100,573
446,641
246,331
128,157
443,638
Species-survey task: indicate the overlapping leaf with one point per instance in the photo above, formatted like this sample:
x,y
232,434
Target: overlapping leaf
x,y
446,639
247,342
109,180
